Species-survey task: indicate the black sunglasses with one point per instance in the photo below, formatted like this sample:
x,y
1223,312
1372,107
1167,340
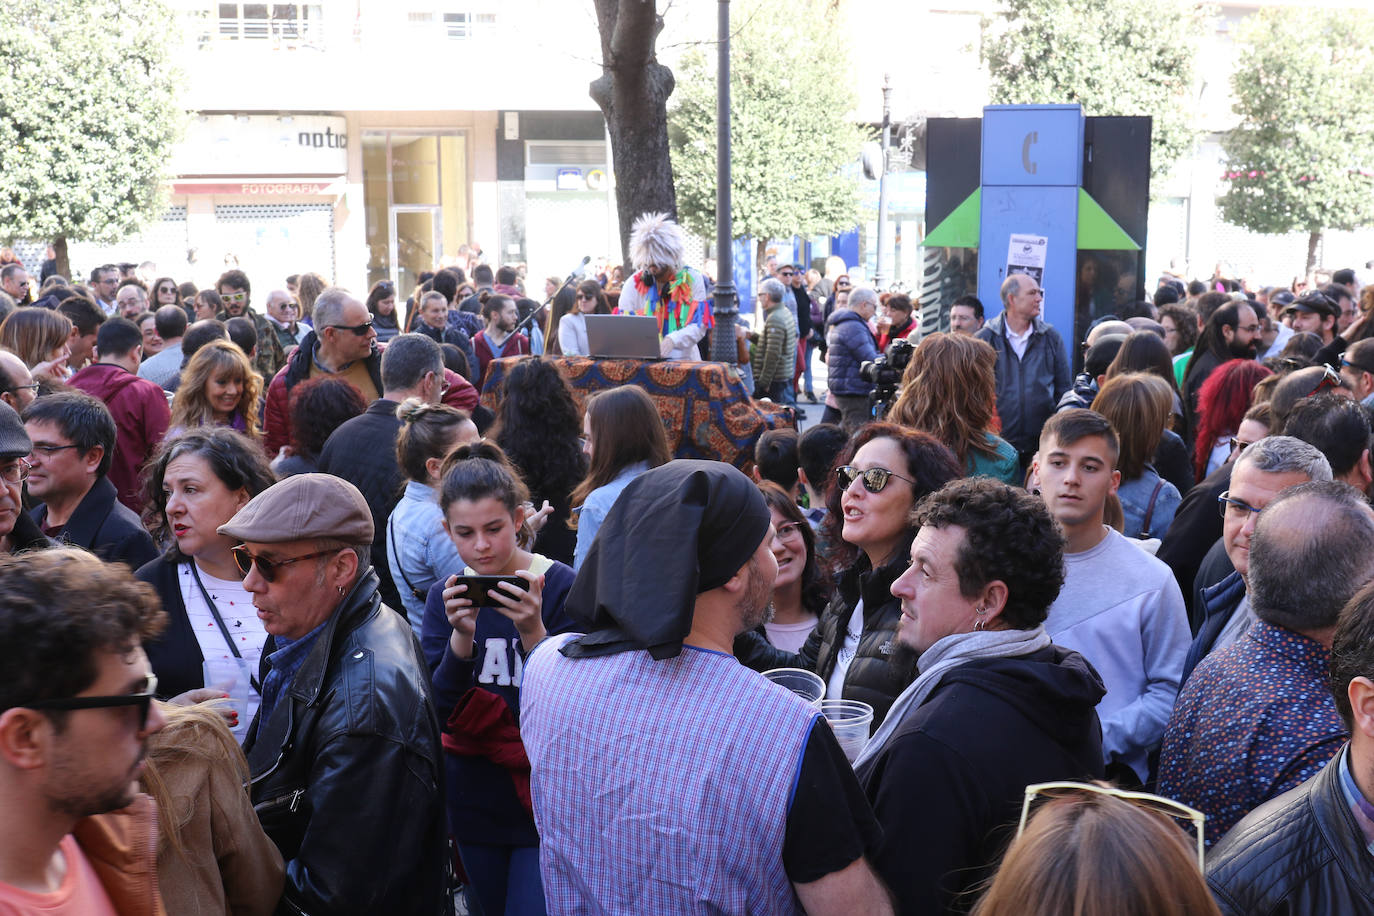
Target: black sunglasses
x,y
268,568
875,479
143,700
358,329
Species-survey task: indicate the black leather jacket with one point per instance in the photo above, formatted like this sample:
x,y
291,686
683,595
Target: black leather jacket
x,y
871,677
346,774
1300,853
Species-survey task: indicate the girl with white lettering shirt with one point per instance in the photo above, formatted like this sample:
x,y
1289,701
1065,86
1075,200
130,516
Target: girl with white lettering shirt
x,y
476,657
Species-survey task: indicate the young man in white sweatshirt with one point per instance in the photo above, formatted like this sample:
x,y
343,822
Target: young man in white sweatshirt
x,y
1120,608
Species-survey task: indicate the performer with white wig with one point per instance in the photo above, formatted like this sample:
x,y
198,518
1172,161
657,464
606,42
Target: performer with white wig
x,y
663,286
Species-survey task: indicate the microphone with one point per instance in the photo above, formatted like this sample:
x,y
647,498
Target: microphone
x,y
580,269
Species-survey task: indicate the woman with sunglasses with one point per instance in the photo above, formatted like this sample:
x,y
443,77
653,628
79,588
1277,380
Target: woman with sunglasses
x,y
880,477
475,654
196,483
572,326
165,292
381,304
1092,850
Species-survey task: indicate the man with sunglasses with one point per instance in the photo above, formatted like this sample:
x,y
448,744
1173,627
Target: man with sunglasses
x,y
1255,718
1266,468
19,388
344,750
1308,850
76,711
1357,368
284,313
235,290
14,279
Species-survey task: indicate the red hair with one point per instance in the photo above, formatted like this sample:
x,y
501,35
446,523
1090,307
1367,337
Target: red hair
x,y
1222,403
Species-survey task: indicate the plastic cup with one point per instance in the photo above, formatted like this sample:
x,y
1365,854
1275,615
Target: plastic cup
x,y
850,720
805,684
234,677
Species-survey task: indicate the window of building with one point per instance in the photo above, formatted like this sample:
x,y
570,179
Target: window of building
x,y
288,24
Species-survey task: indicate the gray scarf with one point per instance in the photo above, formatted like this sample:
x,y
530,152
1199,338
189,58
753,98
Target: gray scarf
x,y
948,653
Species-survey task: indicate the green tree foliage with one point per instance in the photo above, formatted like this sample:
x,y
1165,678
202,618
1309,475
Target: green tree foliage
x,y
1302,155
791,125
1113,57
89,116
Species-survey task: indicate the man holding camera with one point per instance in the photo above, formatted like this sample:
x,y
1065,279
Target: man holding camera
x,y
850,344
1033,369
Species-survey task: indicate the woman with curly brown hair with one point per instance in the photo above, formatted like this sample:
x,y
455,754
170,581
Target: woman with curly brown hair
x,y
949,390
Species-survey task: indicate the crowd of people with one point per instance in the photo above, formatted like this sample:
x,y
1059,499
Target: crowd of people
x,y
292,621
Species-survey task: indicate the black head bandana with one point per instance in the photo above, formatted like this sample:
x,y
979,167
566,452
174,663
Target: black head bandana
x,y
676,531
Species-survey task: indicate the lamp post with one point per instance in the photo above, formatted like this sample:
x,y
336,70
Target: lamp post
x,y
880,272
726,305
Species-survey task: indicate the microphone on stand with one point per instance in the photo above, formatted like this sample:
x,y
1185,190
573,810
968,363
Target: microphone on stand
x,y
578,271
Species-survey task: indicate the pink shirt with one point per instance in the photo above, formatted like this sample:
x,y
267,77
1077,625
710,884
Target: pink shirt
x,y
81,893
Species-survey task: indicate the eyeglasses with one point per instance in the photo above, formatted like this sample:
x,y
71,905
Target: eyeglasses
x,y
233,298
1248,328
788,531
358,329
17,472
50,449
168,289
143,700
1145,800
1346,362
582,298
786,273
875,479
33,386
1239,445
268,568
1330,379
1236,508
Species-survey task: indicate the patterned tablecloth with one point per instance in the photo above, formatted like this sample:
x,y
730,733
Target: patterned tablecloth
x,y
706,411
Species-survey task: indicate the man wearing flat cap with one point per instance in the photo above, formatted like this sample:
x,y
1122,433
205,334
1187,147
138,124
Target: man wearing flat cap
x,y
18,531
344,751
667,777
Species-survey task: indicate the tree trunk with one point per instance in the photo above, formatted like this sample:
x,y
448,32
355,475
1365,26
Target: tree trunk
x,y
64,266
1314,239
632,93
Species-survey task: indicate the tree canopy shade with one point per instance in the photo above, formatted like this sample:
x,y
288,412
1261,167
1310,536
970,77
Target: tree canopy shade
x,y
791,124
1302,157
1113,57
89,112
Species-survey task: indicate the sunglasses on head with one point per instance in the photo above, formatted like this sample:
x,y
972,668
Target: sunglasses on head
x,y
1330,379
143,700
875,479
1178,813
268,568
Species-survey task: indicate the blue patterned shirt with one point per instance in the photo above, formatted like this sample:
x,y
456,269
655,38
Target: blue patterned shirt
x,y
285,660
1253,721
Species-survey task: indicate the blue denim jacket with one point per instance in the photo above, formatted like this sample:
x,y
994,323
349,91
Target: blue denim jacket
x,y
1135,499
418,549
599,502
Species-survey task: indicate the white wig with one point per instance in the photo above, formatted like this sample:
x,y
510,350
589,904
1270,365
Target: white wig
x,y
656,241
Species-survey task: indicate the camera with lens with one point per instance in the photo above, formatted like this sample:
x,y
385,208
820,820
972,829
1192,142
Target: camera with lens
x,y
885,374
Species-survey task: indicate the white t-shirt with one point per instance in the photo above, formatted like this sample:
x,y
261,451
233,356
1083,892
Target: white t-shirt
x,y
235,605
789,637
1019,342
834,690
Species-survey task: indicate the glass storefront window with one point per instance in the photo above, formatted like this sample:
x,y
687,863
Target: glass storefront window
x,y
415,198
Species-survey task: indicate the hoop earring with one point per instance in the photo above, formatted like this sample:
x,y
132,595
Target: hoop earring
x,y
341,590
981,622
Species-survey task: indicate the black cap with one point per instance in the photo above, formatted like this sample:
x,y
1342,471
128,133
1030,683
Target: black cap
x,y
1316,302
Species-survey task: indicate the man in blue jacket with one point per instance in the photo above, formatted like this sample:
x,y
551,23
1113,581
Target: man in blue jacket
x,y
850,344
1033,370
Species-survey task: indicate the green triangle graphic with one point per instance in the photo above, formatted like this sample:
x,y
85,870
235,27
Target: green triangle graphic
x,y
960,228
1097,230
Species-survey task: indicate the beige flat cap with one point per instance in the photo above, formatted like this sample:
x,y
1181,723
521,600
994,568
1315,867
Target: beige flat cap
x,y
302,508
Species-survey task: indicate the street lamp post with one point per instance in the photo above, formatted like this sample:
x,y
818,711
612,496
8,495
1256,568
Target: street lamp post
x,y
880,273
726,305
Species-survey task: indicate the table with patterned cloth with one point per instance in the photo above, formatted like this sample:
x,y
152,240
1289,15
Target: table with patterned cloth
x,y
706,411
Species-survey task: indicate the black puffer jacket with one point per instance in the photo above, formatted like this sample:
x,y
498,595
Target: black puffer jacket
x,y
871,678
1296,854
346,772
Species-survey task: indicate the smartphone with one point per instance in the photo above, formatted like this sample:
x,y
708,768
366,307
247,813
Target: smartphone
x,y
480,588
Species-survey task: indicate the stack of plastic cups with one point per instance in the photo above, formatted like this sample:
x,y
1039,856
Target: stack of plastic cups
x,y
805,684
850,720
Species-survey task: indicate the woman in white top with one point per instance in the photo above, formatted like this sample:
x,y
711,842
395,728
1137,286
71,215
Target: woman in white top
x,y
572,327
197,481
801,590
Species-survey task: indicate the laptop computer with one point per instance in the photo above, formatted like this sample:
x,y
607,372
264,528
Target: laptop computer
x,y
623,336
